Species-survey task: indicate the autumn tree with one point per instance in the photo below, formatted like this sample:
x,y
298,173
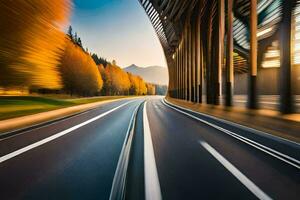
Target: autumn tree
x,y
138,86
150,89
31,42
142,89
117,80
79,72
105,77
134,85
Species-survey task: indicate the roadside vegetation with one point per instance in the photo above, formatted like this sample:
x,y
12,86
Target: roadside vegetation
x,y
17,106
31,42
78,72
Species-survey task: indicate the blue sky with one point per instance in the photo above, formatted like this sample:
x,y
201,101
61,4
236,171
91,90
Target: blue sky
x,y
117,29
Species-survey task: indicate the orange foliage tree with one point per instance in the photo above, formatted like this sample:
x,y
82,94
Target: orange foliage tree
x,y
79,72
105,78
138,86
117,81
150,89
31,42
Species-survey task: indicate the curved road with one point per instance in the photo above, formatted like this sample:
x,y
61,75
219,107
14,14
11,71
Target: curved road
x,y
174,154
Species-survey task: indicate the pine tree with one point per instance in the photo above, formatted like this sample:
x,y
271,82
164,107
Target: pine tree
x,y
70,32
75,38
79,42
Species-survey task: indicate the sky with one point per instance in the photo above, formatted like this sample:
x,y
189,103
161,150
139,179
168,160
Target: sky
x,y
117,30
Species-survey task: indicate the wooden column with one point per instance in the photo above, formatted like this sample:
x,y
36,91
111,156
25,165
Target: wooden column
x,y
197,63
199,50
188,62
194,71
252,88
220,47
180,73
174,75
186,71
229,55
209,61
201,69
171,81
176,72
196,77
174,78
181,69
192,63
286,96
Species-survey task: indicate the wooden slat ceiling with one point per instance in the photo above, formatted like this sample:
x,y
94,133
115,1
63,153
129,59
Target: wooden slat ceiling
x,y
168,17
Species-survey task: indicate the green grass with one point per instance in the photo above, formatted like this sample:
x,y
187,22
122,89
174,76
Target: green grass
x,y
93,99
17,106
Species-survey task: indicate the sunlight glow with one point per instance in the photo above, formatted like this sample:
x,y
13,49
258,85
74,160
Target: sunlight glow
x,y
265,31
272,56
296,36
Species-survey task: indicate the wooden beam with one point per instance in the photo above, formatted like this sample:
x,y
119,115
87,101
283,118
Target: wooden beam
x,y
229,55
286,96
252,85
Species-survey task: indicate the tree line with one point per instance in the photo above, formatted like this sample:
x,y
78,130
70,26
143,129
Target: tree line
x,y
86,74
36,55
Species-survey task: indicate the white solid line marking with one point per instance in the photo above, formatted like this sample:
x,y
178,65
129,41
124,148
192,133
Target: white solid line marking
x,y
57,135
234,171
123,160
152,186
235,124
43,126
285,158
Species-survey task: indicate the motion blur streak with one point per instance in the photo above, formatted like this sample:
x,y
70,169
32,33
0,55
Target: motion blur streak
x,y
31,41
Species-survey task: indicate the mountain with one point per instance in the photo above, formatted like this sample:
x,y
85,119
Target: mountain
x,y
152,74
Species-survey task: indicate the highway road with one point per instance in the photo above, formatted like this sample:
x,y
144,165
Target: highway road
x,y
147,148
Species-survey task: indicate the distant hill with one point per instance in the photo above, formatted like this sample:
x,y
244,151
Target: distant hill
x,y
152,74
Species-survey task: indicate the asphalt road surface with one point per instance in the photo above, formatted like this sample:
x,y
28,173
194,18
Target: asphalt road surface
x,y
146,148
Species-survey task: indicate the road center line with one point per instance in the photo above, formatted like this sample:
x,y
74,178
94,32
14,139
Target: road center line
x,y
235,172
119,181
152,186
57,135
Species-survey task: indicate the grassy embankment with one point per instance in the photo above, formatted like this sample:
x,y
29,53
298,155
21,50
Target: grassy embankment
x,y
17,106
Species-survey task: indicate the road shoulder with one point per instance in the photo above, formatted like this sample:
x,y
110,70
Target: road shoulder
x,y
35,120
279,125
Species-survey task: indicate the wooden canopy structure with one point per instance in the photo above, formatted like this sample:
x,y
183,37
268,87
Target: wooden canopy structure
x,y
206,41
